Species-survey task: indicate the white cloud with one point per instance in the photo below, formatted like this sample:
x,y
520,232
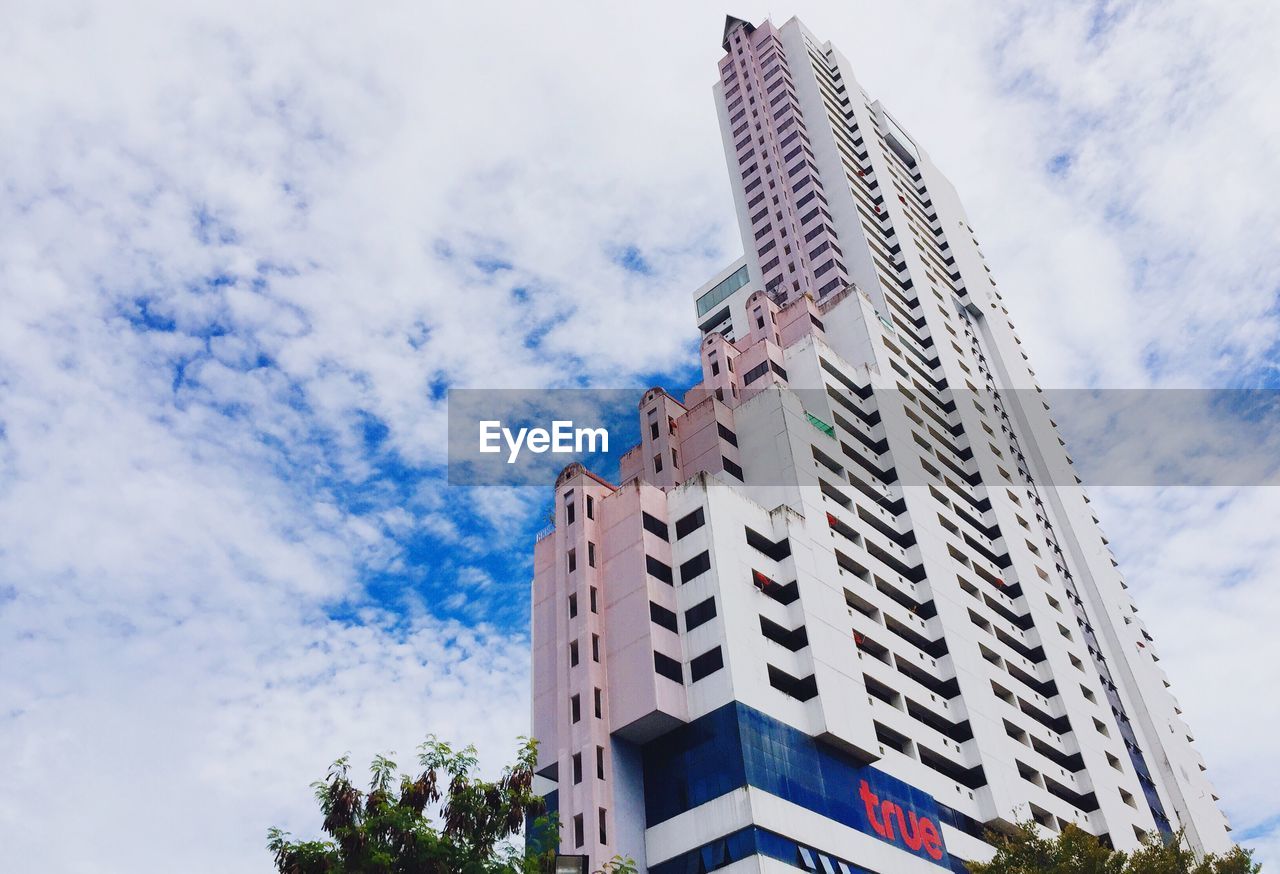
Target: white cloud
x,y
1202,565
272,190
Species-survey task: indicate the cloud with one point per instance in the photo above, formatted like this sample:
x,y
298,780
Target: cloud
x,y
247,248
1202,565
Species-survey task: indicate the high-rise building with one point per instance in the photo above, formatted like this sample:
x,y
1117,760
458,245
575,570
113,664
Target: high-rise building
x,y
847,607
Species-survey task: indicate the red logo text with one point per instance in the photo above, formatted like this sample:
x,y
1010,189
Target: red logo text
x,y
917,832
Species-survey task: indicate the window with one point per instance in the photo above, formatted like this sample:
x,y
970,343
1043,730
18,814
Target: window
x,y
575,708
662,616
793,639
599,763
573,653
591,507
688,524
776,551
655,526
591,555
758,371
595,647
716,320
577,768
782,594
657,462
599,703
668,667
802,689
653,430
657,569
573,560
595,607
604,834
578,838
568,508
573,605
699,614
699,564
732,469
726,435
707,663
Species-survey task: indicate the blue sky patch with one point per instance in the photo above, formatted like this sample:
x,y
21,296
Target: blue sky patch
x,y
630,259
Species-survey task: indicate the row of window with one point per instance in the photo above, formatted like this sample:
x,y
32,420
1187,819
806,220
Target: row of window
x,y
571,557
660,570
699,666
577,765
1047,689
796,186
725,433
697,615
570,504
575,706
888,736
579,835
761,369
595,651
593,597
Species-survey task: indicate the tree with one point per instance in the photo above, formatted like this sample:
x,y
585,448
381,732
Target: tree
x,y
389,829
1027,851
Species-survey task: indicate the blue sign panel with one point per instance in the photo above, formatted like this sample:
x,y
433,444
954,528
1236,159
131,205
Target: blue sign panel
x,y
898,813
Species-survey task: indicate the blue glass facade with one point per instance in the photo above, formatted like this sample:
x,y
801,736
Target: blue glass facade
x,y
737,746
753,841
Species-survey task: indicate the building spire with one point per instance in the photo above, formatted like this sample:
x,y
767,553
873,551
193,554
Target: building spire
x,y
729,24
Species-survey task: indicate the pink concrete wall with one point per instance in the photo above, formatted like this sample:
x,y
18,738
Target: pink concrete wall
x,y
610,545
639,697
792,233
559,680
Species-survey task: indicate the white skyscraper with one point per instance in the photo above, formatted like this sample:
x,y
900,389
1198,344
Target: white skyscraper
x,y
848,606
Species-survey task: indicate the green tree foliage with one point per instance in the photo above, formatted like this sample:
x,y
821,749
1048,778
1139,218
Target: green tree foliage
x,y
390,829
1028,851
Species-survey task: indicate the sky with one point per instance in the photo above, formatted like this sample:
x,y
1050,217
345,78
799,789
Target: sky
x,y
246,249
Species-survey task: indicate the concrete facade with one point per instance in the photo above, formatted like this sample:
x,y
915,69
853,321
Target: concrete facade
x,y
841,600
